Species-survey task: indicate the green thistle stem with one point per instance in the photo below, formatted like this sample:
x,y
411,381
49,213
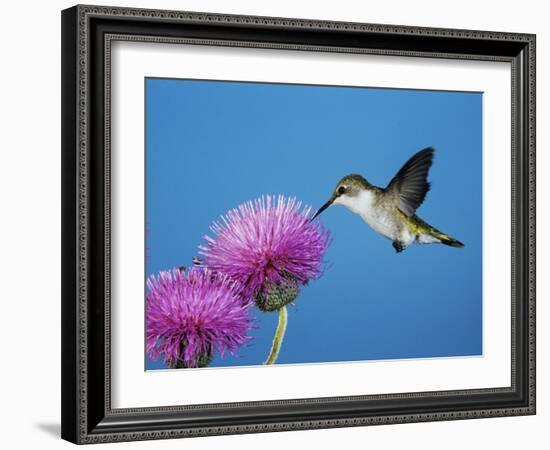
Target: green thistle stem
x,y
279,336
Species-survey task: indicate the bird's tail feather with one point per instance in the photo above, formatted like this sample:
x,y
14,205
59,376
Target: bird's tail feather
x,y
448,240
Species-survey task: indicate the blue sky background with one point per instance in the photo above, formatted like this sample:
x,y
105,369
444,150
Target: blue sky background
x,y
213,145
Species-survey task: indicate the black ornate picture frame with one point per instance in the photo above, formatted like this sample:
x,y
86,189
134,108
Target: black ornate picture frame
x,y
87,34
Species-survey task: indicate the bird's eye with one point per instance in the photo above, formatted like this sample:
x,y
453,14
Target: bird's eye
x,y
341,190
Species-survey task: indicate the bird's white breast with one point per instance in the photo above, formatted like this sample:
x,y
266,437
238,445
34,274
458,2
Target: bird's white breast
x,y
379,218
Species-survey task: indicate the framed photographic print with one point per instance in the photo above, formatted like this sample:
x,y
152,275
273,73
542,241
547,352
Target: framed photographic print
x,y
281,224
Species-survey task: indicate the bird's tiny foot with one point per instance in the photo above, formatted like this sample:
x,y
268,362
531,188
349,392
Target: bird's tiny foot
x,y
398,246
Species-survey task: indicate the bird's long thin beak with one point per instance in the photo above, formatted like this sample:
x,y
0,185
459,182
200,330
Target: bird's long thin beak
x,y
322,208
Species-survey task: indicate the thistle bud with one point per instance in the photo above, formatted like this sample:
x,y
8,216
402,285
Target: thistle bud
x,y
274,297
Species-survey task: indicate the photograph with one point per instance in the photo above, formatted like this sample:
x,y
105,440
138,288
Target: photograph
x,y
310,224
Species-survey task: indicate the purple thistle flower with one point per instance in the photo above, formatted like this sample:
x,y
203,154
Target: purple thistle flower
x,y
192,314
270,247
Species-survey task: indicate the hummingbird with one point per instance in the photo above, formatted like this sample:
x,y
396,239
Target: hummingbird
x,y
390,211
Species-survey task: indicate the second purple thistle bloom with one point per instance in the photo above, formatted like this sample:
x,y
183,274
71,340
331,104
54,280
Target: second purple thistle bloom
x,y
270,247
192,314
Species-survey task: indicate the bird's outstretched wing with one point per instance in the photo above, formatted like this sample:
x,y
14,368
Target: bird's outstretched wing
x,y
410,185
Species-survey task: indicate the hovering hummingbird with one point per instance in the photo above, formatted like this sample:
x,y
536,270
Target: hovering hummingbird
x,y
391,211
